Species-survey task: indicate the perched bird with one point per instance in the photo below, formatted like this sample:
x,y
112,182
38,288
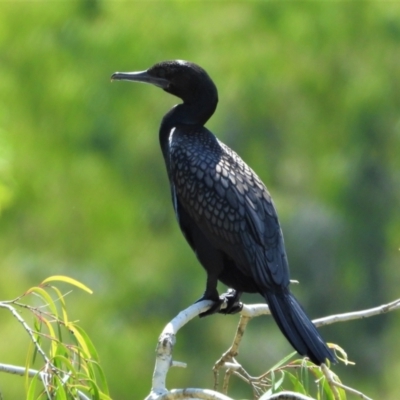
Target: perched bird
x,y
223,209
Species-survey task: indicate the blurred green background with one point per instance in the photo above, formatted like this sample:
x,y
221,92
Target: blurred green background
x,y
309,97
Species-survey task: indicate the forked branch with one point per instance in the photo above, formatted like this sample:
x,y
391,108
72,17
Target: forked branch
x,y
227,361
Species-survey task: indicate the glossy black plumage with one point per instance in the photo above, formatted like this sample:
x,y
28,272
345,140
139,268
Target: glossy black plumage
x,y
224,210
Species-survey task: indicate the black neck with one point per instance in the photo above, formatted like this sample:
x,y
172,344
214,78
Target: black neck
x,y
194,114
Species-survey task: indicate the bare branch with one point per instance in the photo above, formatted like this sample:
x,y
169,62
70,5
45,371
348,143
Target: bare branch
x,y
256,310
168,338
13,369
166,344
370,312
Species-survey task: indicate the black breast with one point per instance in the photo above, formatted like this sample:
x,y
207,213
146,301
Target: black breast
x,y
227,200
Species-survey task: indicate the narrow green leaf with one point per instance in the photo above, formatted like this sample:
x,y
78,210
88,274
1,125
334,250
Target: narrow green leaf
x,y
275,388
304,371
69,280
60,393
281,362
94,390
101,378
67,366
76,351
90,370
30,395
272,380
80,339
60,296
47,299
62,350
296,382
37,324
31,348
327,389
53,337
89,344
278,383
342,392
59,332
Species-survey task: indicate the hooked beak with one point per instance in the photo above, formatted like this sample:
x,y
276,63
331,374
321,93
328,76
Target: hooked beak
x,y
141,76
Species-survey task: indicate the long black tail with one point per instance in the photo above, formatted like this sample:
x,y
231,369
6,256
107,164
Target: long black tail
x,y
297,327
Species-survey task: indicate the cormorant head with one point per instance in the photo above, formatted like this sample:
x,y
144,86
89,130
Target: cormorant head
x,y
183,79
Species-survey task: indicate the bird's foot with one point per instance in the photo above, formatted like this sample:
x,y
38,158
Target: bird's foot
x,y
231,299
227,303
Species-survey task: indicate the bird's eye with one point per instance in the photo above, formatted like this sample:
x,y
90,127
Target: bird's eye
x,y
162,74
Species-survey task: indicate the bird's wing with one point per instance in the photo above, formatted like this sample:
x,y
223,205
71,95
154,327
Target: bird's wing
x,y
235,211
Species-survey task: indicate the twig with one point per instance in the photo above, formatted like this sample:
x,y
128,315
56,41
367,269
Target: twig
x,y
370,312
13,369
15,313
353,391
232,352
334,384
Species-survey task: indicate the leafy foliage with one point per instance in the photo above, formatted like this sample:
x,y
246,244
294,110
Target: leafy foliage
x,y
68,363
304,377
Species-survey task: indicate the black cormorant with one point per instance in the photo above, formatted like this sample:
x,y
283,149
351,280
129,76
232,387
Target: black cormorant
x,y
223,209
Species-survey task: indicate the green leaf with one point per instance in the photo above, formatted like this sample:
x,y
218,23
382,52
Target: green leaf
x,y
45,297
60,297
304,374
60,391
296,382
29,354
30,395
94,390
67,279
276,384
281,362
86,342
65,365
52,337
62,350
101,377
80,339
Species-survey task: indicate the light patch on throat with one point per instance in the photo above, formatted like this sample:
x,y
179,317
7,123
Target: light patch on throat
x,y
173,191
171,134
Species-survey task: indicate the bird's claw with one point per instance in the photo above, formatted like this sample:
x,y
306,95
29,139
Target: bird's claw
x,y
228,303
231,299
